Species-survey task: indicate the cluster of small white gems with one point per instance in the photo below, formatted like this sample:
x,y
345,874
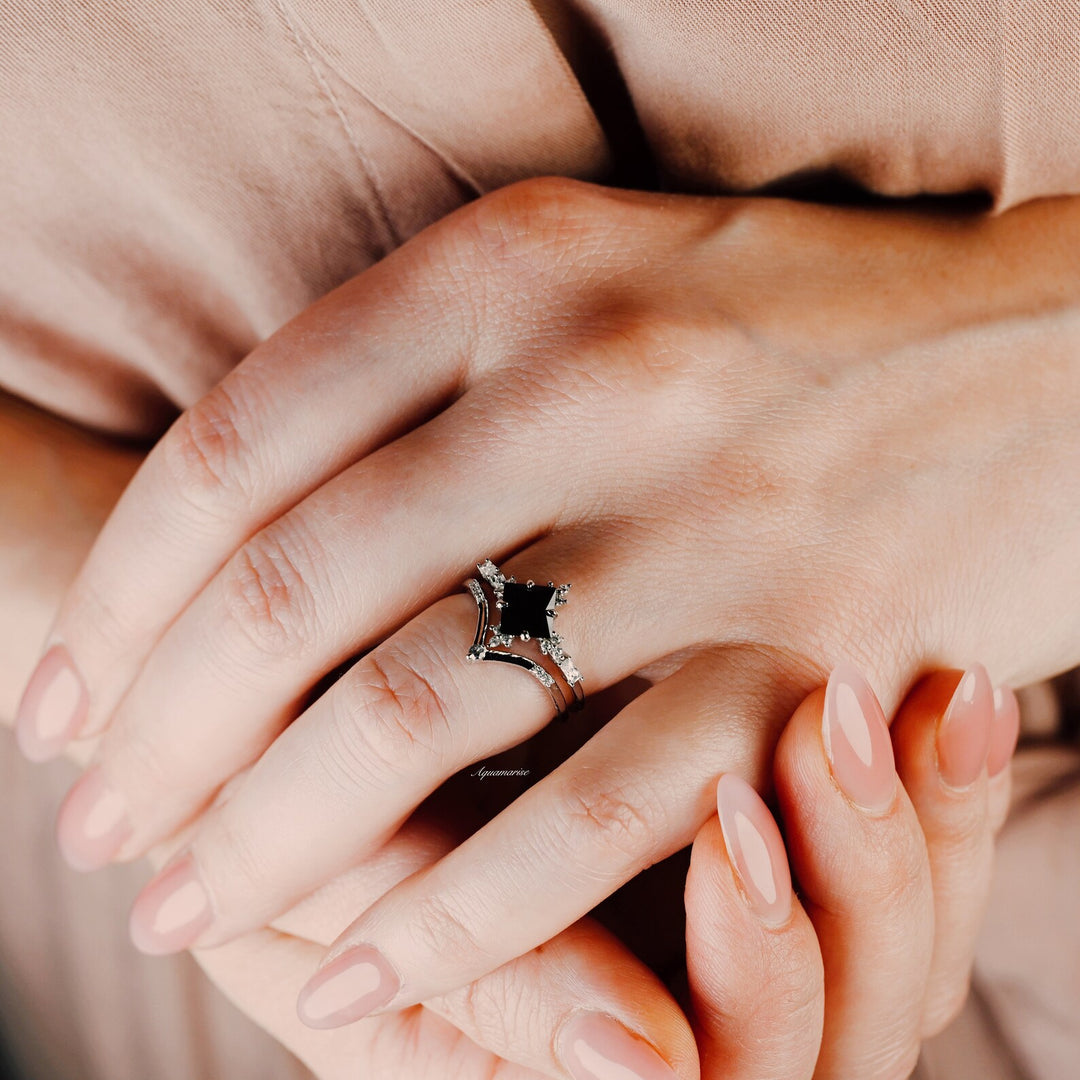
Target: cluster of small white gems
x,y
544,676
497,638
554,649
552,646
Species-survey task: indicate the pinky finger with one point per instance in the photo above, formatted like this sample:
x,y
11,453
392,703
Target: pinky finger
x,y
756,975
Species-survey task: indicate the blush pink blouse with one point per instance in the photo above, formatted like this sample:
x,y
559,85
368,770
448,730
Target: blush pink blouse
x,y
179,179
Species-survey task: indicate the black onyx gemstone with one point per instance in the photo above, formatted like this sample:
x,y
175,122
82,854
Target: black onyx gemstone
x,y
525,610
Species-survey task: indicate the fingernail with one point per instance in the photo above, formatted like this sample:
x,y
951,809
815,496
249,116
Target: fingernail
x,y
53,708
1004,731
593,1046
357,983
755,849
857,740
93,823
172,912
963,738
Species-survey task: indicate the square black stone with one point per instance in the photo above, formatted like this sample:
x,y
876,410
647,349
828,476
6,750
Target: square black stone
x,y
526,610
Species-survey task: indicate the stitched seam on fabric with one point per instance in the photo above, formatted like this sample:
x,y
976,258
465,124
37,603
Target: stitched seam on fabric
x,y
331,98
314,48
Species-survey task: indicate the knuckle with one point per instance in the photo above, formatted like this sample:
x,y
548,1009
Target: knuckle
x,y
791,1000
888,874
528,232
439,927
603,819
891,874
143,763
132,754
902,881
394,710
494,1011
206,456
227,852
270,593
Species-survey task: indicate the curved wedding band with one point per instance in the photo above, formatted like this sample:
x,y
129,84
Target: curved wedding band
x,y
526,611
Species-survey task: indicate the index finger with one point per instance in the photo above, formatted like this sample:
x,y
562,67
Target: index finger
x,y
273,431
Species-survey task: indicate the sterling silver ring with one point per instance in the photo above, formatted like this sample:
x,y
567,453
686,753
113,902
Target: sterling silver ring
x,y
527,612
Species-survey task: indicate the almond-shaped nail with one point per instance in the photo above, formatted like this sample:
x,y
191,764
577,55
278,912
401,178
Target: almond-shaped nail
x,y
93,823
755,848
1005,730
173,911
53,708
350,987
857,740
963,738
594,1046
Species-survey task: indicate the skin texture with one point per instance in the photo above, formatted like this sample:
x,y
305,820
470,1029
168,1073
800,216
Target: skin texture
x,y
776,984
847,410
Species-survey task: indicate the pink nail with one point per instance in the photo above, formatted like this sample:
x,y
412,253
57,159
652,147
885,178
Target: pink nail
x,y
593,1046
1004,731
963,738
53,708
857,740
93,823
755,848
357,983
172,912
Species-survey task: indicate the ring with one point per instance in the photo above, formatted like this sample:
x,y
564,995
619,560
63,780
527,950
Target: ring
x,y
527,612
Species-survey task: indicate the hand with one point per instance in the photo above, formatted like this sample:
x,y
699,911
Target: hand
x,y
514,1024
731,424
876,952
888,909
53,501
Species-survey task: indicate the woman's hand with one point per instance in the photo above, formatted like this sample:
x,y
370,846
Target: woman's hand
x,y
844,981
875,954
755,436
513,1024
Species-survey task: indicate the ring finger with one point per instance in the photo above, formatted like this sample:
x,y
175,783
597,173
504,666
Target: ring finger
x,y
338,572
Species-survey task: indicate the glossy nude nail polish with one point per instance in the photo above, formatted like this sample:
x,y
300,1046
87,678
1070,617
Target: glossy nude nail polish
x,y
350,987
594,1046
963,739
93,824
172,912
1004,731
53,708
755,848
857,741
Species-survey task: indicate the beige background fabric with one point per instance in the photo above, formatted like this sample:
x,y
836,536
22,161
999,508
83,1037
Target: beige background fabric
x,y
178,179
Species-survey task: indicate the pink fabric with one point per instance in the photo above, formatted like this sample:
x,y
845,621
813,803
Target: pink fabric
x,y
179,179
